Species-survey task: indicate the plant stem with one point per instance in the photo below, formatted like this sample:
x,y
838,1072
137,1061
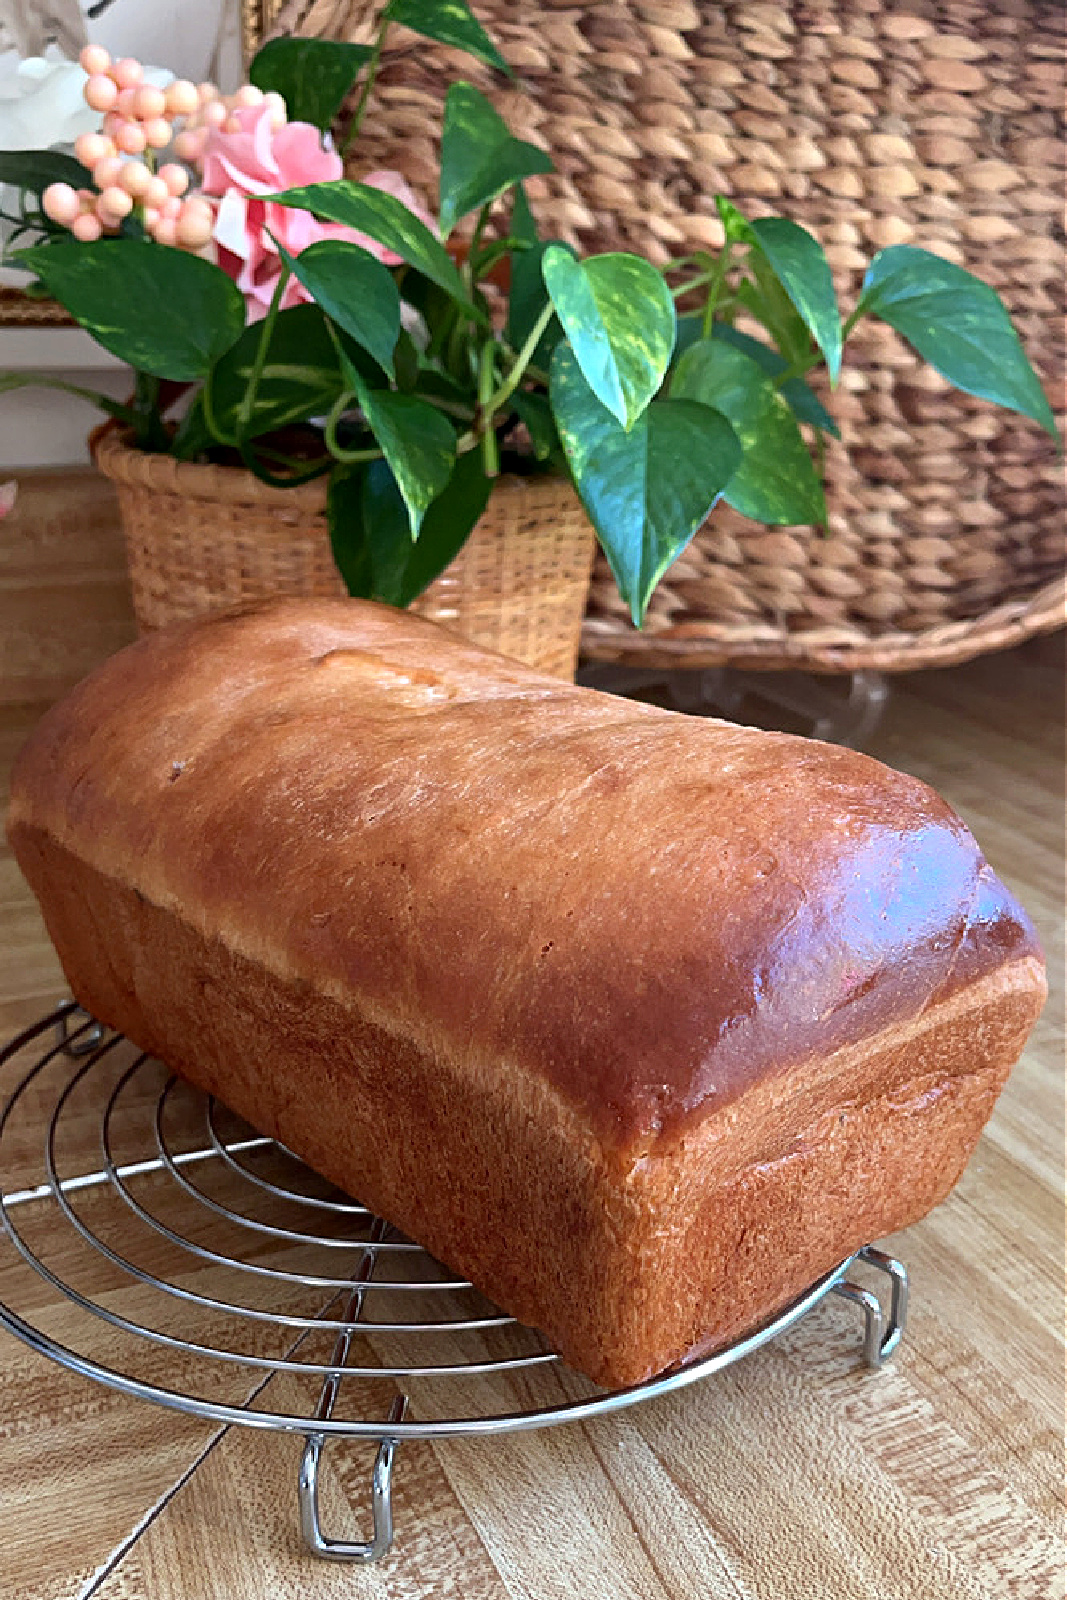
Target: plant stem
x,y
274,479
797,369
452,408
368,84
476,237
722,267
245,409
538,374
150,433
210,421
339,451
294,463
522,361
679,262
694,283
490,448
493,252
113,408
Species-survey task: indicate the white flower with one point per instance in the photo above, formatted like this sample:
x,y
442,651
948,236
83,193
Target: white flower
x,y
41,102
41,108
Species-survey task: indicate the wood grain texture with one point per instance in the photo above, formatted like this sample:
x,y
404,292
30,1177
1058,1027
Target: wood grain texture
x,y
64,595
793,1474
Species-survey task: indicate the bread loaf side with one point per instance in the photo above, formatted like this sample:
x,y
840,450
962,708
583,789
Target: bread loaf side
x,y
639,1021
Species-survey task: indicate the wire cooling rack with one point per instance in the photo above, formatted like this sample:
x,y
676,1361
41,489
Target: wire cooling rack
x,y
204,1267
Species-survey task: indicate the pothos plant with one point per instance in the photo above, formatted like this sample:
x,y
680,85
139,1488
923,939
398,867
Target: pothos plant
x,y
320,325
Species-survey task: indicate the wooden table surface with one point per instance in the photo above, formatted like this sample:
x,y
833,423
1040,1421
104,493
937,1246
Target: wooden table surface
x,y
794,1474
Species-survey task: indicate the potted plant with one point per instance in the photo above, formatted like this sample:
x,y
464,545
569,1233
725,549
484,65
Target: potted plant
x,y
391,374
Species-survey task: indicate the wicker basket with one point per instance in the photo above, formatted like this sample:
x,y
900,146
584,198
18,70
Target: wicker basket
x,y
872,122
204,538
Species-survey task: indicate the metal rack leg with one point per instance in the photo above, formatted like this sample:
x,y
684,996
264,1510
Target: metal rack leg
x,y
86,1041
380,1542
880,1339
378,1545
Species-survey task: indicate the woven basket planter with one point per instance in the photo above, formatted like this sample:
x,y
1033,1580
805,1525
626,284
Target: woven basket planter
x,y
871,122
206,538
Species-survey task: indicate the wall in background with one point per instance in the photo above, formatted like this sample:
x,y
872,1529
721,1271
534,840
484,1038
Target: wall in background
x,y
193,38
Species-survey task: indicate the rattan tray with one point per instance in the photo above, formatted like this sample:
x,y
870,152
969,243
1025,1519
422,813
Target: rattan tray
x,y
936,122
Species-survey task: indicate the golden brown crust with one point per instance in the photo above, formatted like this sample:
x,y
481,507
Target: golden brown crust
x,y
648,911
625,1273
639,1021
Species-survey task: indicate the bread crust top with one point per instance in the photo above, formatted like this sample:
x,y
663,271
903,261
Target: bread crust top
x,y
651,911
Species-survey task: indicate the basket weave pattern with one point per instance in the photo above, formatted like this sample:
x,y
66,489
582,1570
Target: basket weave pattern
x,y
876,122
521,582
206,538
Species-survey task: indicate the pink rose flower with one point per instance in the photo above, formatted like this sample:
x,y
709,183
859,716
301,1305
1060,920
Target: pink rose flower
x,y
8,495
260,159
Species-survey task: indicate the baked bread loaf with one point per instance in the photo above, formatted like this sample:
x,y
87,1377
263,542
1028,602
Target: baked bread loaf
x,y
640,1021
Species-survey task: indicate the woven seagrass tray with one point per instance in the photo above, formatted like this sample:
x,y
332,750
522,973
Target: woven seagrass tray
x,y
871,122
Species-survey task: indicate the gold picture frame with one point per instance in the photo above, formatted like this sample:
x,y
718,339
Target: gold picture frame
x,y
257,16
18,310
328,19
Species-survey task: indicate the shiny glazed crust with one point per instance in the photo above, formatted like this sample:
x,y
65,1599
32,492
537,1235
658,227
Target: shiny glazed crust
x,y
661,1017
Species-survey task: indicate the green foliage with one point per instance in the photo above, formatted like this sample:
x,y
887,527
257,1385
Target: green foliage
x,y
618,317
535,413
480,157
355,291
348,534
646,489
775,481
163,311
791,288
397,381
804,403
370,534
10,381
313,76
449,22
956,323
300,376
418,443
384,218
34,170
526,302
523,226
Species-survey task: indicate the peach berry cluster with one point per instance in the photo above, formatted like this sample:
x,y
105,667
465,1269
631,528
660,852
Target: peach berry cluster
x,y
140,121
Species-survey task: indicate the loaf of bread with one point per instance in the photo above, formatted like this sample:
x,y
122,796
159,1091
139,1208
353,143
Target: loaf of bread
x,y
640,1021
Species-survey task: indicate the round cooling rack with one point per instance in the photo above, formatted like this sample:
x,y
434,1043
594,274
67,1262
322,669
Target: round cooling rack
x,y
176,1240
